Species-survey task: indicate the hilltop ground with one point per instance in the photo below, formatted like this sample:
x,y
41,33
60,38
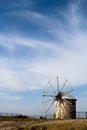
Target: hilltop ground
x,y
43,124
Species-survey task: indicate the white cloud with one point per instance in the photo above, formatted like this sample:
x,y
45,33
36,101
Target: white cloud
x,y
6,96
10,40
67,55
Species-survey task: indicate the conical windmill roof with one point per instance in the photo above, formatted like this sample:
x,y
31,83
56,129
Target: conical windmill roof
x,y
68,96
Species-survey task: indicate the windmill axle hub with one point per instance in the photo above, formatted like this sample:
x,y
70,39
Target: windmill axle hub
x,y
59,96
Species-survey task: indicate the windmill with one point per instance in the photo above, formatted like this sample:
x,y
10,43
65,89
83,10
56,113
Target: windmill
x,y
65,104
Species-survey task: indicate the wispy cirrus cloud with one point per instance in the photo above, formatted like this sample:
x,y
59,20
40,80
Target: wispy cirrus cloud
x,y
9,97
9,39
12,5
65,56
35,47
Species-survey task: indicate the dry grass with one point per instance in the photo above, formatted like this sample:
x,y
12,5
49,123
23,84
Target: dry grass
x,y
38,124
61,125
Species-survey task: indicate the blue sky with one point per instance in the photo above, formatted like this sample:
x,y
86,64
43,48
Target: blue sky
x,y
39,40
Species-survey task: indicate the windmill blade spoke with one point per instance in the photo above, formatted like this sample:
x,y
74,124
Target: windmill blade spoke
x,y
51,86
67,92
63,85
45,95
62,106
65,108
67,101
44,92
57,104
57,85
50,106
59,109
47,101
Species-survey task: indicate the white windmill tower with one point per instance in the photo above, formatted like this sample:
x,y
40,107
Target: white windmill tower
x,y
65,103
